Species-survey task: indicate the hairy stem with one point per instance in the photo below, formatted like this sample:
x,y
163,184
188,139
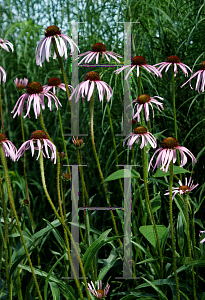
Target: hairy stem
x,y
189,243
150,208
172,227
98,163
10,194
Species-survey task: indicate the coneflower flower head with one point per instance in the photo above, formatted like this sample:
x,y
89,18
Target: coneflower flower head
x,y
176,61
97,50
87,87
183,189
140,132
167,152
66,177
43,49
56,82
39,137
137,62
145,101
21,83
35,92
99,293
8,147
77,142
200,78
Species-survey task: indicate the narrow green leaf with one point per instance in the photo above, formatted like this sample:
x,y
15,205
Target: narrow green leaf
x,y
55,290
156,288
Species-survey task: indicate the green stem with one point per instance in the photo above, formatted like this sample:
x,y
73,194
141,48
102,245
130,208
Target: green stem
x,y
93,267
2,120
64,145
173,98
172,227
189,243
194,239
175,116
115,148
98,163
5,239
65,80
25,176
139,190
150,207
10,194
65,227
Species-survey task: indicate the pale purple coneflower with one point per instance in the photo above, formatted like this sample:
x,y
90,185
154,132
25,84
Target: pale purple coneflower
x,y
176,61
36,93
43,49
137,62
4,74
8,147
95,54
138,134
21,83
87,87
55,82
200,234
39,137
99,293
144,101
168,152
4,43
200,78
183,189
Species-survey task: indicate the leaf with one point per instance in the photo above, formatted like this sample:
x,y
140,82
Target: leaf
x,y
177,170
49,274
156,289
92,250
66,290
180,233
149,233
124,173
55,290
156,203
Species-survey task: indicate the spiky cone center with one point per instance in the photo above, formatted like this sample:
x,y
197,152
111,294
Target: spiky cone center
x,y
25,202
184,188
101,292
2,137
54,81
140,130
203,66
99,47
38,135
173,59
142,99
66,176
139,60
20,86
52,30
34,88
92,76
170,143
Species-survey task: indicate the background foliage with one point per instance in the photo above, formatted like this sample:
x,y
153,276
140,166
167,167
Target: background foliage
x,y
165,28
